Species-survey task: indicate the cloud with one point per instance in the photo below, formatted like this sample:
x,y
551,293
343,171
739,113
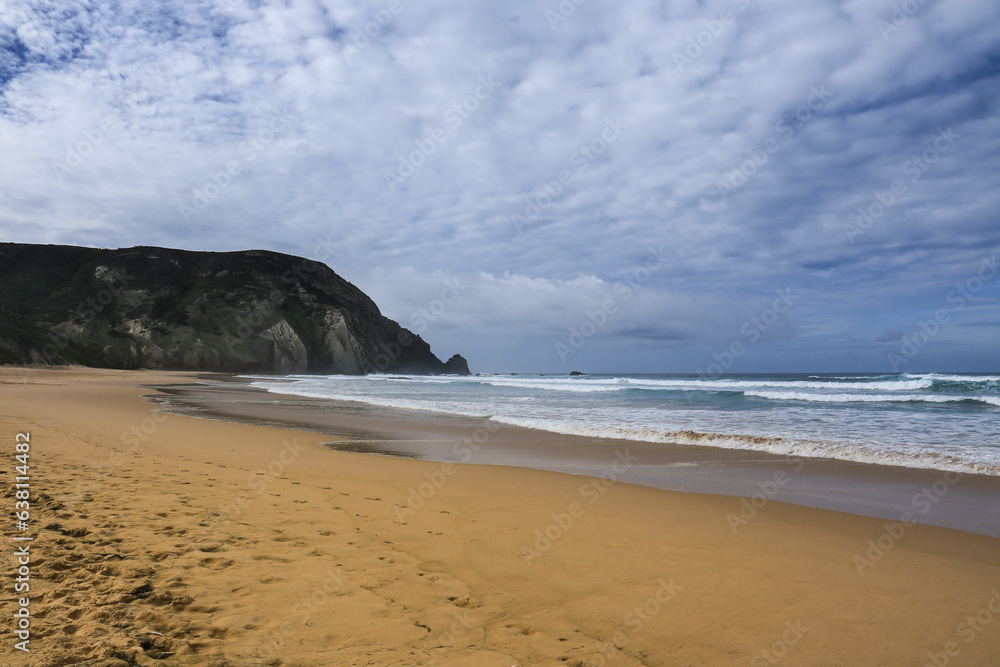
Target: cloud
x,y
759,145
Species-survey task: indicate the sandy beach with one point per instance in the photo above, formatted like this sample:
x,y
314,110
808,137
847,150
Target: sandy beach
x,y
163,539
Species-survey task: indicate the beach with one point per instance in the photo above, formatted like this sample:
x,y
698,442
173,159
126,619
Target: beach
x,y
168,539
944,497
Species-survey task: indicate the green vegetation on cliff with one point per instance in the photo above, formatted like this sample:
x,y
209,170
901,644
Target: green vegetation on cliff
x,y
252,311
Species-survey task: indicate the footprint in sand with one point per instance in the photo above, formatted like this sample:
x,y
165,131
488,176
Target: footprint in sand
x,y
278,559
468,603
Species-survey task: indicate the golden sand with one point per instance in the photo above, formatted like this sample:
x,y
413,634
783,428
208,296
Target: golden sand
x,y
170,540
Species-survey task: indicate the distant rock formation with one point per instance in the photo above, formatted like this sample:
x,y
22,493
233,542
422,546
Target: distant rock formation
x,y
576,373
457,365
252,311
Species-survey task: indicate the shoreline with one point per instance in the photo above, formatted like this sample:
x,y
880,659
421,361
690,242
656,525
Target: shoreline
x,y
925,421
961,501
166,540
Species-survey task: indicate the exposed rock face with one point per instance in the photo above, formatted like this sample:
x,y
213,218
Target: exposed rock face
x,y
253,311
457,365
289,352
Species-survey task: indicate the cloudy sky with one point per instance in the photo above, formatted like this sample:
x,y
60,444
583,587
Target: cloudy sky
x,y
605,186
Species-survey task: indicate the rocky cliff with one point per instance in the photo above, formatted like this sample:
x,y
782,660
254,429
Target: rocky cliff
x,y
253,311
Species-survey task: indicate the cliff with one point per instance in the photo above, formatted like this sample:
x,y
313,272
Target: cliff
x,y
252,311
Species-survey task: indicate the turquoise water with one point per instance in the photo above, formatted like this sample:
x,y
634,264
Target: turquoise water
x,y
942,421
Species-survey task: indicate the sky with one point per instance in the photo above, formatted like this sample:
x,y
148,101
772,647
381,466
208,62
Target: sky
x,y
631,186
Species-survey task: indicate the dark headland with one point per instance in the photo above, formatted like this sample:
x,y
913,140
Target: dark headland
x,y
253,311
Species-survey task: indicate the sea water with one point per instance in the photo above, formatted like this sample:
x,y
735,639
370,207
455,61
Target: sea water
x,y
931,420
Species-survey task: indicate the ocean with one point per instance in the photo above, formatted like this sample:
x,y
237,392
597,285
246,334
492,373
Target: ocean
x,y
931,420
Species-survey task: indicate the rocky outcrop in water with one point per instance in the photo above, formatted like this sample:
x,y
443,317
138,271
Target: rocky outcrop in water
x,y
457,365
252,311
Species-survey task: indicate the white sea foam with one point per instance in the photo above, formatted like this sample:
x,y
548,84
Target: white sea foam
x,y
984,461
811,417
869,398
381,401
578,387
620,384
960,378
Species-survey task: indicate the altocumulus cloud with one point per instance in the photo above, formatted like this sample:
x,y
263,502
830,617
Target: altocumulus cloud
x,y
276,123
